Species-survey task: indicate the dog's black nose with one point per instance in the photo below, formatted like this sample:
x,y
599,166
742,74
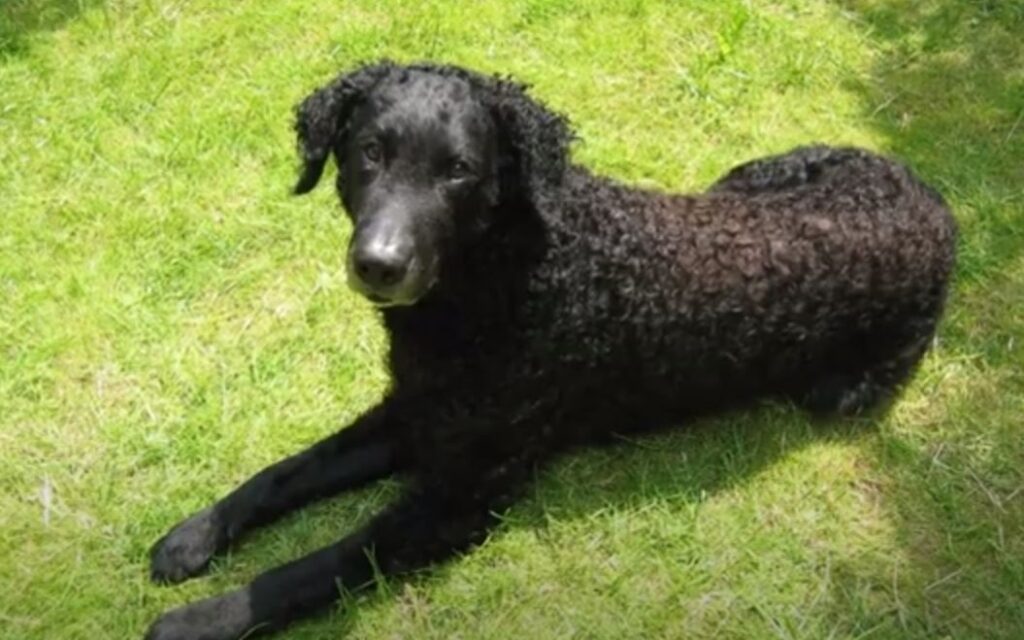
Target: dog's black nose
x,y
381,267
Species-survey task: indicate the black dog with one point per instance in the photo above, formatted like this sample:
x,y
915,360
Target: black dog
x,y
532,306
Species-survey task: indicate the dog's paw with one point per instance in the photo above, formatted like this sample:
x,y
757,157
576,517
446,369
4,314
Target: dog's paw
x,y
226,617
187,549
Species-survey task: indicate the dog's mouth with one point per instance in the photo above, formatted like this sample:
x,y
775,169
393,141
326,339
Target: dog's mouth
x,y
383,303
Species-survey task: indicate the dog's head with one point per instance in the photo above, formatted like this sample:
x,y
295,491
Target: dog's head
x,y
429,157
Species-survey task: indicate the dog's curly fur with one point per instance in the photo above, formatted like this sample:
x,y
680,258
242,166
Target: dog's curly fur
x,y
587,307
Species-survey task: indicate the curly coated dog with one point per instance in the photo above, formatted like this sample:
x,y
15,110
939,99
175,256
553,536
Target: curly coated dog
x,y
533,306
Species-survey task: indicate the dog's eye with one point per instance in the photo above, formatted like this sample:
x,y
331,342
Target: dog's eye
x,y
372,151
459,170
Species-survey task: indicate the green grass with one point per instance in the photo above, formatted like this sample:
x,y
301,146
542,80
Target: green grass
x,y
171,320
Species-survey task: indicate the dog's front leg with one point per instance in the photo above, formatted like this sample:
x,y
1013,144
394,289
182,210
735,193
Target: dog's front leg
x,y
364,451
433,521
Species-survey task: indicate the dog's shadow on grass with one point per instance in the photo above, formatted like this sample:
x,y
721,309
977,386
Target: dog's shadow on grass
x,y
689,463
19,19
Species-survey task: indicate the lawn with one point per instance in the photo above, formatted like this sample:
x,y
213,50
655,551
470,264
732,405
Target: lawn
x,y
171,320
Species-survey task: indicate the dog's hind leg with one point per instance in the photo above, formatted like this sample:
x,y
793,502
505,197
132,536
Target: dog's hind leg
x,y
872,388
358,454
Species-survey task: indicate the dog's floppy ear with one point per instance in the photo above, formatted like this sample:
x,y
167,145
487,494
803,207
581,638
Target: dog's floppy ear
x,y
321,119
535,141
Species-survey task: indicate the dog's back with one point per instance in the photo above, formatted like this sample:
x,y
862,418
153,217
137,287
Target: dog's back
x,y
815,263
